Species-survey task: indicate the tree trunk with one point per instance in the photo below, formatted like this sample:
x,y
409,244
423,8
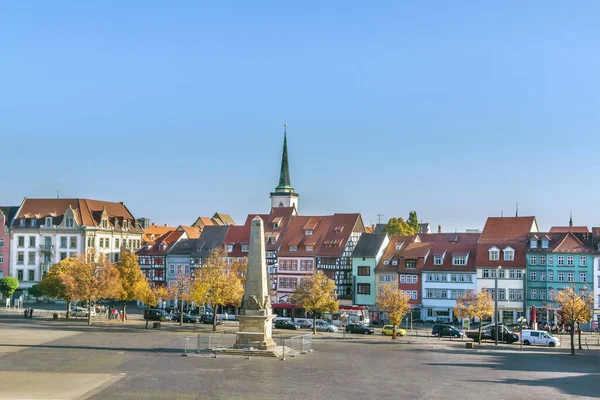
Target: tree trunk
x,y
214,328
314,323
181,314
479,336
68,309
579,335
572,338
89,312
393,332
147,314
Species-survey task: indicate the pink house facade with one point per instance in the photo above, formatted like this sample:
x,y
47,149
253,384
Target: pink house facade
x,y
6,214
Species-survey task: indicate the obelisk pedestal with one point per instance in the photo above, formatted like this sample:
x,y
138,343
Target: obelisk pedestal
x,y
256,317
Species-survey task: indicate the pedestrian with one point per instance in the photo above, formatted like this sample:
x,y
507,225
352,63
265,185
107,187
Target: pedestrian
x,y
30,313
121,315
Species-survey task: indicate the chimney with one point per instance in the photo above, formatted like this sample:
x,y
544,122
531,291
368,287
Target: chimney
x,y
165,224
439,229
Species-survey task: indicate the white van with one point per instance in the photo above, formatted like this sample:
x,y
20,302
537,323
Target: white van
x,y
539,337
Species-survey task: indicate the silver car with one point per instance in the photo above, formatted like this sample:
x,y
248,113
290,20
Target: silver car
x,y
326,327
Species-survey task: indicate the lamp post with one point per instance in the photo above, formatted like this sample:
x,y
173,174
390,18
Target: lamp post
x,y
496,303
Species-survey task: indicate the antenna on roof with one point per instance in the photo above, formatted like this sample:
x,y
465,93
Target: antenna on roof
x,y
58,194
571,219
379,218
517,212
502,213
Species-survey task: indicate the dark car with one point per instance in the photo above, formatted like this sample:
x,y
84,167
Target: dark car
x,y
156,315
359,328
187,318
488,332
442,330
208,319
286,325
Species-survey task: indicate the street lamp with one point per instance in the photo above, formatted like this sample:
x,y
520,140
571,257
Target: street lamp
x,y
496,302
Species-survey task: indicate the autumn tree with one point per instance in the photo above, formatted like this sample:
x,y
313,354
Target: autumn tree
x,y
8,285
413,222
35,291
395,302
398,226
217,284
92,277
131,275
180,290
53,285
475,305
316,294
147,295
575,308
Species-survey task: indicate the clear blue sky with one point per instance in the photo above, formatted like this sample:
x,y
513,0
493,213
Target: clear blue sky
x,y
456,110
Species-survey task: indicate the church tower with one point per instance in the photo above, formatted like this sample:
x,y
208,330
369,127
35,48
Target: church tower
x,y
284,195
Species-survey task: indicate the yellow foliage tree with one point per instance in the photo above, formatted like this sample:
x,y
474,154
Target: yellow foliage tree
x,y
180,289
316,294
131,275
52,284
575,308
217,284
474,305
395,302
147,295
92,277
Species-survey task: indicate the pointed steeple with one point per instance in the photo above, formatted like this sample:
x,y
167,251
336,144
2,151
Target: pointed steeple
x,y
571,220
285,184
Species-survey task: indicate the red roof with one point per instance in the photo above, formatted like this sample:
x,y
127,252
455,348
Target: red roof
x,y
452,249
507,229
565,229
163,244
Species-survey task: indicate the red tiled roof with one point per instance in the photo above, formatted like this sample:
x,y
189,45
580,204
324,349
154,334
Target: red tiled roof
x,y
483,255
390,254
452,249
154,232
191,231
168,240
507,229
565,229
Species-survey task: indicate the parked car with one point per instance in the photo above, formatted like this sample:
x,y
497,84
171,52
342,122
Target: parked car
x,y
359,328
281,319
488,332
323,326
387,330
208,319
529,336
187,318
304,322
156,315
283,324
446,330
81,312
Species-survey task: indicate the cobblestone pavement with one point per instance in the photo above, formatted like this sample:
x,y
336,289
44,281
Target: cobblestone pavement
x,y
112,360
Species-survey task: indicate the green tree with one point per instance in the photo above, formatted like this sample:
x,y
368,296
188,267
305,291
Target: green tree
x,y
398,226
35,291
131,275
316,294
52,284
413,222
8,285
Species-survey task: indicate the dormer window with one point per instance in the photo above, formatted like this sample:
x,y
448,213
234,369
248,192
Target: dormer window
x,y
395,262
386,262
229,248
104,224
309,248
533,243
545,244
308,232
245,248
276,224
293,248
125,224
460,260
273,240
69,222
509,254
22,222
32,223
398,246
494,254
48,222
438,260
162,246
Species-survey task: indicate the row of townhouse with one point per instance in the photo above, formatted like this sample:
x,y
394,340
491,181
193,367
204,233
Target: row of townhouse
x,y
434,269
40,232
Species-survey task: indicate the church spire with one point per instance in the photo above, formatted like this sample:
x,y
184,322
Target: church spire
x,y
285,184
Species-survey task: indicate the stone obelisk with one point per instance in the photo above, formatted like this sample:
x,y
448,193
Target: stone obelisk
x,y
256,317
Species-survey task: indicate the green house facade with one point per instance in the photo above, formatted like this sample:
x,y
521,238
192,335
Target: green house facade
x,y
555,261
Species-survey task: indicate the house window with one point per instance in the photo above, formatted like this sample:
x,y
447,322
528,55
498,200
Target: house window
x,y
172,269
542,276
533,294
293,248
570,261
398,247
544,244
73,244
438,260
275,224
501,294
582,277
1,242
533,244
31,274
245,248
186,269
414,279
48,222
515,294
459,260
31,258
542,294
101,242
364,271
550,260
309,232
582,261
561,276
20,275
364,288
430,312
542,260
69,223
509,255
570,277
386,262
20,258
533,276
550,276
229,248
532,260
32,223
309,248
63,256
273,240
395,262
63,242
22,222
21,241
410,264
31,241
1,258
561,261
117,243
486,273
494,255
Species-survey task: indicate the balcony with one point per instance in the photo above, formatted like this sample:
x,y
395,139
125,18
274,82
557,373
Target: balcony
x,y
47,248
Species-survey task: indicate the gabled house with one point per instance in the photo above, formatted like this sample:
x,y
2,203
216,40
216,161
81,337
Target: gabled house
x,y
152,258
554,261
6,216
366,256
502,250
